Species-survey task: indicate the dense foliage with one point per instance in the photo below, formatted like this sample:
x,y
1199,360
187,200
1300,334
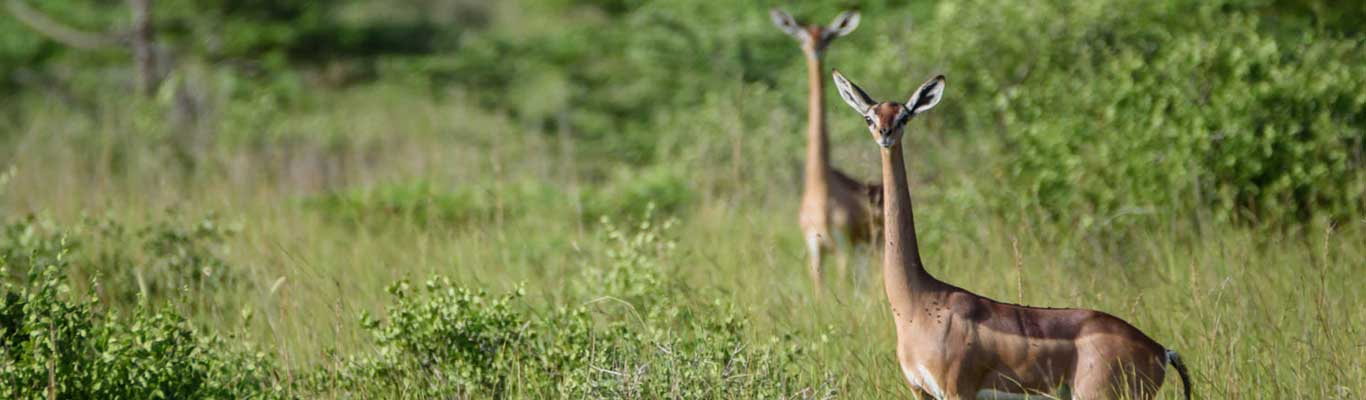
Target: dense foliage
x,y
637,337
632,340
56,342
264,223
1149,109
1249,110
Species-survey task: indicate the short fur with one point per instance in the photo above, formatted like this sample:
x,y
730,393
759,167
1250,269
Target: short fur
x,y
955,344
836,208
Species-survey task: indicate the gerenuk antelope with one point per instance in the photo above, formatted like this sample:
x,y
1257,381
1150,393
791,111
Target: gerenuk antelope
x,y
953,344
838,212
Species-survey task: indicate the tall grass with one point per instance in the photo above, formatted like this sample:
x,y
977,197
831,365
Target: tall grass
x,y
1258,313
396,240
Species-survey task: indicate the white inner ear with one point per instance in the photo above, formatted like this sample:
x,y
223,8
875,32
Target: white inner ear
x,y
850,94
927,96
853,101
788,24
781,19
844,23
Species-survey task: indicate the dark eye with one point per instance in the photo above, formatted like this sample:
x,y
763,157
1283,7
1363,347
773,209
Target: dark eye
x,y
868,120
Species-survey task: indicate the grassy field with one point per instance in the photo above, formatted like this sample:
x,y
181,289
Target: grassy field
x,y
289,234
1258,313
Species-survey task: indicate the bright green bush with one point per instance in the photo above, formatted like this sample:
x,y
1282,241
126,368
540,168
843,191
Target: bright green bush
x,y
54,340
447,340
1115,108
635,335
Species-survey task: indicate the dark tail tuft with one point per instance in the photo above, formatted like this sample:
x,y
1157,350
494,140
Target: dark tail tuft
x,y
1175,361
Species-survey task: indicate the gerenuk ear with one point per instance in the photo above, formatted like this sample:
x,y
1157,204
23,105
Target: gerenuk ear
x,y
785,22
927,96
854,96
844,24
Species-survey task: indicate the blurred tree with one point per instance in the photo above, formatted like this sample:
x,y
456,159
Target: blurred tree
x,y
141,40
23,59
139,37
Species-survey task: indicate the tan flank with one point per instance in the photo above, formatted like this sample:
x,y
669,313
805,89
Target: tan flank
x,y
954,344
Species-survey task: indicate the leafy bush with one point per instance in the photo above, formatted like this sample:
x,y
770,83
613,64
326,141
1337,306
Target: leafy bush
x,y
632,271
25,245
177,256
54,342
1142,106
154,262
441,340
457,341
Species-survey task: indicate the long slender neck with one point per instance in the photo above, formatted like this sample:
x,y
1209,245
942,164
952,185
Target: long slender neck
x,y
817,147
902,271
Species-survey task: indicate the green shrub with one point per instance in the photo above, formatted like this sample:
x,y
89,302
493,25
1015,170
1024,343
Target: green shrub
x,y
441,340
461,342
52,339
26,245
157,262
1119,107
632,271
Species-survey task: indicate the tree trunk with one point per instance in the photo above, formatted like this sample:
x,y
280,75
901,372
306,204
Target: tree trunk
x,y
141,41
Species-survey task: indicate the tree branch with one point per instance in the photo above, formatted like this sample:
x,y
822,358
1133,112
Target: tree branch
x,y
66,35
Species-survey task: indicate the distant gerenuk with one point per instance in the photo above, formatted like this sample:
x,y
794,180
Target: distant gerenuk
x,y
838,212
954,344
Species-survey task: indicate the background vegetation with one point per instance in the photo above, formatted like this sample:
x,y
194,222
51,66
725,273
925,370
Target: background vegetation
x,y
597,198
